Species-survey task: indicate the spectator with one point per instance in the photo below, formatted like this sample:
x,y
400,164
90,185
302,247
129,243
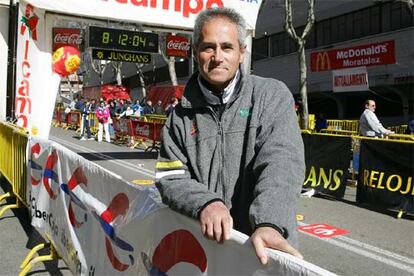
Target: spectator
x,y
321,122
128,112
232,150
369,125
79,105
103,115
410,127
86,110
148,109
93,105
137,108
171,106
113,115
158,109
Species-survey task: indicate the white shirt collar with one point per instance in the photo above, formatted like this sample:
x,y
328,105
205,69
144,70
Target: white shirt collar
x,y
228,91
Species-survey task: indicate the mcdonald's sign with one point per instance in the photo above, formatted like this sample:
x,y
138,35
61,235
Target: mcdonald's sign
x,y
322,61
363,55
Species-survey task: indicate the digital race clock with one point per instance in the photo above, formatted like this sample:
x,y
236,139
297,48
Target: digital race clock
x,y
117,39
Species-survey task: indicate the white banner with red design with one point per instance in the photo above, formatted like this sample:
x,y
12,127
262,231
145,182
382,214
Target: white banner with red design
x,y
34,100
170,13
350,79
102,225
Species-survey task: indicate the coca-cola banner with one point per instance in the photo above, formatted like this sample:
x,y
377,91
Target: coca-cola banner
x,y
177,46
66,37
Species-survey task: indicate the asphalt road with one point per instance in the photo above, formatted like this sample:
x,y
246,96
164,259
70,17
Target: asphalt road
x,y
377,243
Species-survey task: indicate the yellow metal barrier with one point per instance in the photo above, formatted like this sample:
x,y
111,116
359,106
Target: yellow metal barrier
x,y
29,261
401,137
339,132
93,123
348,125
398,129
154,118
13,141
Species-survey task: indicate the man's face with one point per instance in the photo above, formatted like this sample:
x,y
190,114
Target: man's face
x,y
218,53
370,106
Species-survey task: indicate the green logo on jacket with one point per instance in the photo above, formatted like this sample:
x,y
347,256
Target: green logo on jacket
x,y
245,112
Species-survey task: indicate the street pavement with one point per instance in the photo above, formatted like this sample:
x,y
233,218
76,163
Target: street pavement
x,y
377,243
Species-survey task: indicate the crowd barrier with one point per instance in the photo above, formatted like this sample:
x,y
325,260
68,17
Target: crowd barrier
x,y
13,141
124,229
398,129
346,125
334,161
132,130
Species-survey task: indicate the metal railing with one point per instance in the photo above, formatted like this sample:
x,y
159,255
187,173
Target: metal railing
x,y
13,142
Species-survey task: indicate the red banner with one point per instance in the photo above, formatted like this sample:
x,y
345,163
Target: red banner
x,y
177,46
364,55
66,36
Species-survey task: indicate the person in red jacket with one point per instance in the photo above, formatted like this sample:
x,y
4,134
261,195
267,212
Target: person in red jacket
x,y
103,113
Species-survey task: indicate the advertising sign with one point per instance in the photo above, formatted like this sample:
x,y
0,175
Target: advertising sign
x,y
327,172
123,56
170,13
177,46
352,79
364,55
66,37
385,177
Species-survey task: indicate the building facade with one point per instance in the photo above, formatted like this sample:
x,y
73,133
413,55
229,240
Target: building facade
x,y
372,39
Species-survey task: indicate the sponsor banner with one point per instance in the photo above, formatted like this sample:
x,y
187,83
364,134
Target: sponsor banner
x,y
35,86
123,56
102,225
386,175
352,79
169,13
177,46
364,55
327,161
66,37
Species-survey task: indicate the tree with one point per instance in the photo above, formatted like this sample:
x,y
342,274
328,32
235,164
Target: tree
x,y
117,66
301,41
169,60
140,74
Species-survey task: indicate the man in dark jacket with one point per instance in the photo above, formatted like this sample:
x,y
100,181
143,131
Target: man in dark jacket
x,y
232,154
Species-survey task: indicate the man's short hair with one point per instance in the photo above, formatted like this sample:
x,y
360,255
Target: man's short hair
x,y
367,101
208,14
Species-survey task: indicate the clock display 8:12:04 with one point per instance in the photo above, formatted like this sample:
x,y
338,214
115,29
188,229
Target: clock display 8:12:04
x,y
119,39
124,39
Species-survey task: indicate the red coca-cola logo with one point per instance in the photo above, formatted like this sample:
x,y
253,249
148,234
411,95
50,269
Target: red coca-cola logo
x,y
66,37
177,46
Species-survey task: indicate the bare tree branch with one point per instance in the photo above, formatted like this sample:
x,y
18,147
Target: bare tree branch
x,y
301,41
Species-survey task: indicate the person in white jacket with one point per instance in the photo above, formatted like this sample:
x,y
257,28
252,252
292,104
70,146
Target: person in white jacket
x,y
369,125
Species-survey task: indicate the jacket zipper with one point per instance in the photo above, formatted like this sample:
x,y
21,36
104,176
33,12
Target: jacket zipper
x,y
220,140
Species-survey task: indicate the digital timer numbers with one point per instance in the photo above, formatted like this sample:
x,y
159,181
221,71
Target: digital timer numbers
x,y
124,39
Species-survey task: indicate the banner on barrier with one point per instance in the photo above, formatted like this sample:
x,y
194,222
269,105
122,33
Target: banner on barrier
x,y
386,175
102,225
327,161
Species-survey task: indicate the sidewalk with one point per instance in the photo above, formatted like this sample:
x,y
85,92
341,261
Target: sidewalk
x,y
17,237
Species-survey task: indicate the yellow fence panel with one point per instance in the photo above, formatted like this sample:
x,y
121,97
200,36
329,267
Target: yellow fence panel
x,y
13,141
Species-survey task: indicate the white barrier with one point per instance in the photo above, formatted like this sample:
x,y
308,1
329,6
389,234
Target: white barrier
x,y
102,225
